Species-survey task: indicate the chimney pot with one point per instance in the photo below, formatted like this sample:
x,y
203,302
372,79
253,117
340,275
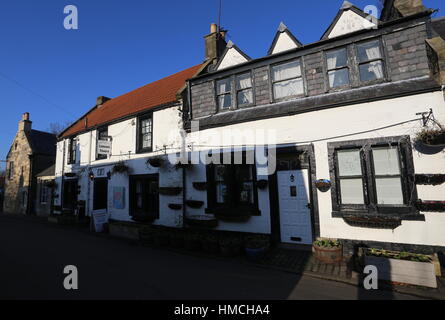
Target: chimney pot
x,y
25,116
101,100
25,124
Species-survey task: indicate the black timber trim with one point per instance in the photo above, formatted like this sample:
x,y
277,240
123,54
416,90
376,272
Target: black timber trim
x,y
231,45
277,36
302,105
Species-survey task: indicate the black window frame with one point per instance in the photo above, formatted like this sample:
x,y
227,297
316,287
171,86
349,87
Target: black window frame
x,y
139,135
99,133
237,90
348,67
371,207
273,82
233,206
72,151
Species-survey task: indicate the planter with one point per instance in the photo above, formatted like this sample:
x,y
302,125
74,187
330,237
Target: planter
x,y
124,231
170,191
201,221
431,206
374,222
156,162
257,246
194,204
262,184
403,271
430,179
120,168
175,207
428,149
328,251
200,186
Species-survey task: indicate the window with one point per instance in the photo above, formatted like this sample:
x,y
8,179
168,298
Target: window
x,y
338,69
244,91
287,80
232,186
100,199
370,61
144,197
24,199
102,135
11,170
224,94
44,193
373,176
145,134
72,155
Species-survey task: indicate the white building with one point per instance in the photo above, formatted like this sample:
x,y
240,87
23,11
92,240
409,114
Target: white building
x,y
337,119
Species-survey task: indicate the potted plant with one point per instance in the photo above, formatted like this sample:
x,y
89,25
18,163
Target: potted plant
x,y
432,137
192,241
120,168
328,251
401,267
156,162
209,243
256,246
230,246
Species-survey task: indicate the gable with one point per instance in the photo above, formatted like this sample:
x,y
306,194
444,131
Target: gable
x,y
284,40
232,57
349,19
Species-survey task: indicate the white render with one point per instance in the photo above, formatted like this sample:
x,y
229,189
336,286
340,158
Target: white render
x,y
232,58
350,22
284,43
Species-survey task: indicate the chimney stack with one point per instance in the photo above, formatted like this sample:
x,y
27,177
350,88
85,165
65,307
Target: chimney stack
x,y
101,100
25,124
215,43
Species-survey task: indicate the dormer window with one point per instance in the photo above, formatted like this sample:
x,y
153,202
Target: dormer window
x,y
370,61
224,94
287,80
338,69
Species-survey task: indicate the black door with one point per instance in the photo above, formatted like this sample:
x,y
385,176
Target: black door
x,y
144,197
100,199
70,193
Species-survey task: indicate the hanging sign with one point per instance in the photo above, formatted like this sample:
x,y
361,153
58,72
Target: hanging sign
x,y
104,148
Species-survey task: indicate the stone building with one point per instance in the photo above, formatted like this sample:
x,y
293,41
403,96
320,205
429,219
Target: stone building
x,y
31,152
44,201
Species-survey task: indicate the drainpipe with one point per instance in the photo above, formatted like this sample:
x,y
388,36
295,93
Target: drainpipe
x,y
62,187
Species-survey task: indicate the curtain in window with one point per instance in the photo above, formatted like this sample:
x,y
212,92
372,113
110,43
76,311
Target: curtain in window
x,y
376,66
334,60
288,88
287,71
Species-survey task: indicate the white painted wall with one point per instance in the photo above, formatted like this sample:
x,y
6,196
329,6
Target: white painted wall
x,y
350,22
232,58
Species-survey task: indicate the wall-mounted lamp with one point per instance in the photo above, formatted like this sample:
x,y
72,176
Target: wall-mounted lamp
x,y
91,175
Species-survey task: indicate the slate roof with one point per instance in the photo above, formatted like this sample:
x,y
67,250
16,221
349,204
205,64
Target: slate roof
x,y
48,172
158,93
42,142
439,26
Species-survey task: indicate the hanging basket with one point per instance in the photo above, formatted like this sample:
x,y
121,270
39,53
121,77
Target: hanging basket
x,y
120,168
156,162
262,184
194,204
174,206
201,221
170,191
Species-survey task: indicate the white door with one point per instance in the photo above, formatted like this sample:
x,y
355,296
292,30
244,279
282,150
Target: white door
x,y
294,200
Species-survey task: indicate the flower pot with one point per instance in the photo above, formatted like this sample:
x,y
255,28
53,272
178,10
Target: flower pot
x,y
328,255
170,191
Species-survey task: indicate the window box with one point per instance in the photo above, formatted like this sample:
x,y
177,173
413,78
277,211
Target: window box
x,y
170,191
201,221
194,204
377,222
401,267
430,179
431,206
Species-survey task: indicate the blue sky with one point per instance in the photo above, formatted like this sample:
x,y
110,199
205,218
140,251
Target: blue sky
x,y
56,74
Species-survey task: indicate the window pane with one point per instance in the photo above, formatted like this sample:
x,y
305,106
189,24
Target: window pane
x,y
225,101
244,81
389,191
336,59
288,88
386,161
338,78
245,97
352,191
224,86
371,71
286,71
369,51
221,193
220,172
349,163
146,141
246,194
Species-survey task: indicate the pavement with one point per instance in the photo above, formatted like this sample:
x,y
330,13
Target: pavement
x,y
34,254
